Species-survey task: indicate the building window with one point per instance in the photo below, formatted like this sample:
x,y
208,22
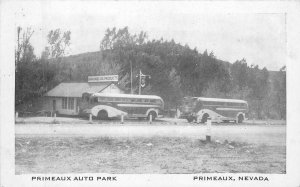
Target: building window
x,y
71,103
64,103
68,103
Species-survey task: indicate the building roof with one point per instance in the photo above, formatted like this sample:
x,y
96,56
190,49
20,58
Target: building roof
x,y
76,89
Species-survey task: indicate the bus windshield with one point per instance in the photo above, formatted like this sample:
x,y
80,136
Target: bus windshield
x,y
189,101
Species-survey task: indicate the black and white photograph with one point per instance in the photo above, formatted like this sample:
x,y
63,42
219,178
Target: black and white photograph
x,y
140,88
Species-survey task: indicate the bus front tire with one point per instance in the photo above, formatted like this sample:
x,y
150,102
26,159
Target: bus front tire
x,y
240,118
204,118
102,115
154,115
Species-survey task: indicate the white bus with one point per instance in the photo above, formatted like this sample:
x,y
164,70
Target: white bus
x,y
104,106
201,108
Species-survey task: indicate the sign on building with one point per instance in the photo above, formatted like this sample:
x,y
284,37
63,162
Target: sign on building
x,y
106,78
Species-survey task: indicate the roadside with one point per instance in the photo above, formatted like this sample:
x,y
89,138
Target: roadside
x,y
258,134
165,146
138,155
77,120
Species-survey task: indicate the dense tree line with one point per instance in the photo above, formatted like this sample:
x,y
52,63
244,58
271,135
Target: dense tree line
x,y
176,70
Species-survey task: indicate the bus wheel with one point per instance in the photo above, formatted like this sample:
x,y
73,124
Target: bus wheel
x,y
190,119
240,118
102,115
153,115
204,118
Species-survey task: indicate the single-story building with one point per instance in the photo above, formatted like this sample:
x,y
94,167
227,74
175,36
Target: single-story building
x,y
66,97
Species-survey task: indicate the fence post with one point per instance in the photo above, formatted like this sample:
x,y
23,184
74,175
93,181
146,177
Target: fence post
x,y
17,115
198,119
208,130
122,118
150,119
90,118
54,115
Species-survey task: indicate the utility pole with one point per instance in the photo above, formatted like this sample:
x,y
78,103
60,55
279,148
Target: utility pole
x,y
142,77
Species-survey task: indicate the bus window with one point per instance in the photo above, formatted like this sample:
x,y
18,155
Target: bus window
x,y
152,101
219,103
208,103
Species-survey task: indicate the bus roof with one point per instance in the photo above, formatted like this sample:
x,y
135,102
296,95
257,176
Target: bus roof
x,y
126,96
220,100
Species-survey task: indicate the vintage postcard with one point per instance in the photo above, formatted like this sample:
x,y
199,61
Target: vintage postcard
x,y
149,93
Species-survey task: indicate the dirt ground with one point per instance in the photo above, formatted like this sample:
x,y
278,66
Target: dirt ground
x,y
145,155
139,147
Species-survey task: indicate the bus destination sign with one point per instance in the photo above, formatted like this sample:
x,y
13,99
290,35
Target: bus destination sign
x,y
107,78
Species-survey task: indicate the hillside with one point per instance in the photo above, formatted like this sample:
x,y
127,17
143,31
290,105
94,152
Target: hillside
x,y
89,57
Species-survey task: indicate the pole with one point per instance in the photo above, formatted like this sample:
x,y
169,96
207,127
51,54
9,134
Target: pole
x,y
122,119
150,119
131,77
208,130
140,77
198,119
90,119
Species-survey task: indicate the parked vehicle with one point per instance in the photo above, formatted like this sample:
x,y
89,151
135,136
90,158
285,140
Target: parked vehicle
x,y
104,106
201,108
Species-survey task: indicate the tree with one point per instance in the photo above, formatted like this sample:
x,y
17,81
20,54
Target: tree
x,y
24,56
34,75
123,48
24,50
58,42
279,85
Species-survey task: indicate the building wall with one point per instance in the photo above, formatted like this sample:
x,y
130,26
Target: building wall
x,y
59,105
48,101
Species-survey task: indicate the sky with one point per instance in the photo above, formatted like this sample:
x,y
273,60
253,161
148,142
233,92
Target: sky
x,y
232,35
